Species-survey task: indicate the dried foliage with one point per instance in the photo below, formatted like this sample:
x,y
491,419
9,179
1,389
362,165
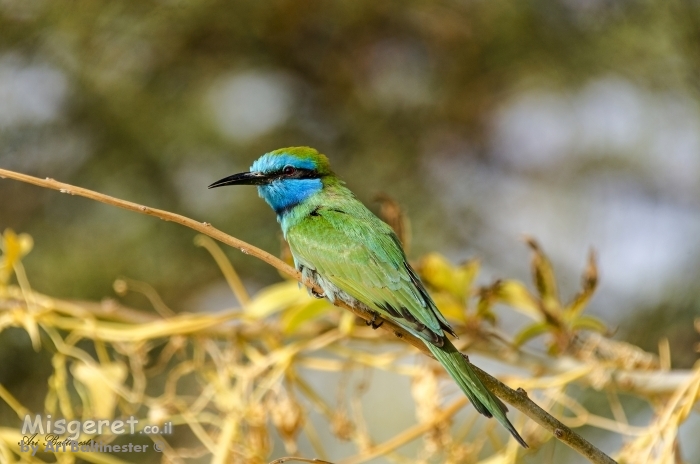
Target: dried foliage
x,y
227,380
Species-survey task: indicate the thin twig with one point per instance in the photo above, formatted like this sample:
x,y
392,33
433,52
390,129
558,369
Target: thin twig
x,y
298,459
643,383
519,400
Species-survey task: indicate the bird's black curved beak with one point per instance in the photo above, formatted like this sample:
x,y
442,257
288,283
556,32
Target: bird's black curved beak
x,y
242,178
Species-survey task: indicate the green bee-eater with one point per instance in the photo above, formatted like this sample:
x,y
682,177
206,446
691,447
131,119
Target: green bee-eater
x,y
353,256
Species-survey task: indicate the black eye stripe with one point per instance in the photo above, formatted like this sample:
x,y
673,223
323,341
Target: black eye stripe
x,y
299,173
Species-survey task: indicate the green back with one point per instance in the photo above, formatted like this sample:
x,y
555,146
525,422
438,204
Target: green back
x,y
336,235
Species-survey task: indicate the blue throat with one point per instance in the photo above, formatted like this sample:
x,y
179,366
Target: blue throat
x,y
284,195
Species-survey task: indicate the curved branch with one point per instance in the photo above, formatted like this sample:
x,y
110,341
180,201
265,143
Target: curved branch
x,y
518,399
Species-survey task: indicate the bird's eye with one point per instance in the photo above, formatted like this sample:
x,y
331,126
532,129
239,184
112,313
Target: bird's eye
x,y
288,170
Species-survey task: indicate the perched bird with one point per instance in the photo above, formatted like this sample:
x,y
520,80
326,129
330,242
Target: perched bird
x,y
353,256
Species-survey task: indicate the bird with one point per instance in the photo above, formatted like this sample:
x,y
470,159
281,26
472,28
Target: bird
x,y
339,245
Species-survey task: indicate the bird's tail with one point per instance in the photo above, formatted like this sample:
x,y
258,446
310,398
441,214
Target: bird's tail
x,y
483,400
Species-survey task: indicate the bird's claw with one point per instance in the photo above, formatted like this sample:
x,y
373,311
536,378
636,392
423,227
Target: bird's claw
x,y
315,294
373,322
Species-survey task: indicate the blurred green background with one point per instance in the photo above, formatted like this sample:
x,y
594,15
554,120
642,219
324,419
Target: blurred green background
x,y
574,121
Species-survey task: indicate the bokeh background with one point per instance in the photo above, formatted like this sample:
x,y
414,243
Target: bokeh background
x,y
573,121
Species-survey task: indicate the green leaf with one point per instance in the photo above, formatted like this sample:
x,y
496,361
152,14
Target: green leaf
x,y
440,274
530,332
589,282
517,296
543,275
589,323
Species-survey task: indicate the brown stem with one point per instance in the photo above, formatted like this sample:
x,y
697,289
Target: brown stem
x,y
519,401
524,404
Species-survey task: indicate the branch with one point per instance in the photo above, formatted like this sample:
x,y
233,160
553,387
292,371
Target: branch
x,y
522,403
518,399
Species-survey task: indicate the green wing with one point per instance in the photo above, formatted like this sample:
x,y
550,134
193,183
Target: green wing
x,y
362,256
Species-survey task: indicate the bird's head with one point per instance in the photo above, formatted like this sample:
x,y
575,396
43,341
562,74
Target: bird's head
x,y
284,177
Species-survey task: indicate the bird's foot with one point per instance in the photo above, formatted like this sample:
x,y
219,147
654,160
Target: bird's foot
x,y
373,322
315,294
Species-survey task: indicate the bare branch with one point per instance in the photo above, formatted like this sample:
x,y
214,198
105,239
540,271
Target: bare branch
x,y
522,403
518,400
